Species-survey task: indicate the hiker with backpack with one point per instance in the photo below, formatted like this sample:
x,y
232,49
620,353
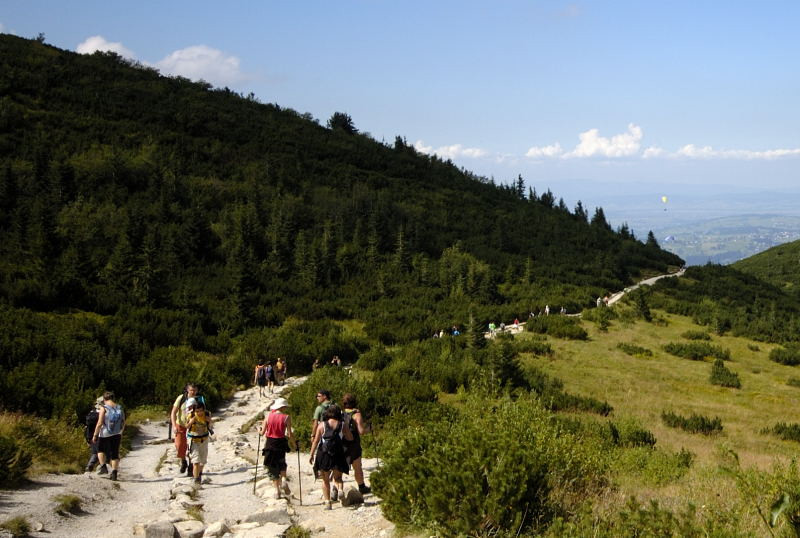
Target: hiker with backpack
x,y
108,434
324,401
277,428
327,453
198,429
178,418
91,424
352,449
280,371
263,377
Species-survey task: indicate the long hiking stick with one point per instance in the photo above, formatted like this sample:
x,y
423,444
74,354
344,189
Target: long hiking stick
x,y
258,451
299,476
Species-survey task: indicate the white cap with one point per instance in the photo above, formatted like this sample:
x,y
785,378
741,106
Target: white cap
x,y
277,404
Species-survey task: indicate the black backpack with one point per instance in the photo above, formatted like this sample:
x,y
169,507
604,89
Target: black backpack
x,y
262,373
331,443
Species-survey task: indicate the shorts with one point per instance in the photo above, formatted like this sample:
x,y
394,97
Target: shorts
x,y
275,456
352,451
198,450
180,441
110,446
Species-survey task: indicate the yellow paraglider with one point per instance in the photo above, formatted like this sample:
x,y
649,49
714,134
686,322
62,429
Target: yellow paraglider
x,y
664,201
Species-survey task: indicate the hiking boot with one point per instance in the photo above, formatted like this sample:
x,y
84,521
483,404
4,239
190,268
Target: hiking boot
x,y
103,470
184,465
277,495
286,489
114,475
328,506
190,470
198,480
335,494
364,489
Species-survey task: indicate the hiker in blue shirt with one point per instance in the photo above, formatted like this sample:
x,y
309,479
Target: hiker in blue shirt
x,y
108,434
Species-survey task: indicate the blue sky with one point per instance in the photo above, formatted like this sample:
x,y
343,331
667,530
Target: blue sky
x,y
580,97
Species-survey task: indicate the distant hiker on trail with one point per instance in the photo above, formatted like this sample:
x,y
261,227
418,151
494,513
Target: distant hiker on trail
x,y
492,328
108,434
316,364
547,310
563,310
277,428
178,418
352,449
327,453
599,302
323,402
261,376
91,425
516,322
280,371
198,428
336,361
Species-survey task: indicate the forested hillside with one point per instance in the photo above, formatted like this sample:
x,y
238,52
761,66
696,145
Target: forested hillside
x,y
778,265
171,213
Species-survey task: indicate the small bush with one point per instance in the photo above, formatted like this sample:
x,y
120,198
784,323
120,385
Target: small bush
x,y
653,466
67,504
532,345
375,359
17,526
793,382
790,356
14,462
694,424
787,432
697,351
634,350
753,347
558,327
723,377
696,335
628,433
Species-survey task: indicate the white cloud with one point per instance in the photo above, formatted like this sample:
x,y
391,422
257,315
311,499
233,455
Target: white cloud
x,y
98,42
652,152
538,152
621,145
202,62
707,152
450,152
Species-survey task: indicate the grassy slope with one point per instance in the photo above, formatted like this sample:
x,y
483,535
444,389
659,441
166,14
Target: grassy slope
x,y
644,387
777,265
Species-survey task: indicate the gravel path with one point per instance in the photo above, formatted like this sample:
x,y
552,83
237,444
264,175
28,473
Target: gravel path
x,y
149,471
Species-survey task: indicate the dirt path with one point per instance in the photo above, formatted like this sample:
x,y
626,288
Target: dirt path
x,y
150,470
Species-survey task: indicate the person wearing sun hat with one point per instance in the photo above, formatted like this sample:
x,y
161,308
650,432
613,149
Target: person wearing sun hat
x,y
277,428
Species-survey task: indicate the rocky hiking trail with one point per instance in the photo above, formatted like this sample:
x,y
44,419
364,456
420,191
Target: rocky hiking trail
x,y
151,498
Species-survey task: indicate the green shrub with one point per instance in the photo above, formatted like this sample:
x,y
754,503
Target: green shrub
x,y
532,345
787,432
552,395
558,327
694,424
634,350
628,433
17,526
67,504
697,351
14,462
514,467
789,356
753,347
793,382
653,466
696,335
720,375
376,358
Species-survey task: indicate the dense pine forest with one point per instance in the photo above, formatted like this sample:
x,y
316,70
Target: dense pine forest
x,y
140,212
155,230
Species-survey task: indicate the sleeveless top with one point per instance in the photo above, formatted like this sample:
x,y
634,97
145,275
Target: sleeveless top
x,y
276,425
353,426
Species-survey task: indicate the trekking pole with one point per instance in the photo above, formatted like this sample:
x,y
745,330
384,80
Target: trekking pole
x,y
299,476
258,449
169,431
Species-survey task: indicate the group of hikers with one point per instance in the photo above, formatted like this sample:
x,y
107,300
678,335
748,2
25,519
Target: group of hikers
x,y
335,445
267,375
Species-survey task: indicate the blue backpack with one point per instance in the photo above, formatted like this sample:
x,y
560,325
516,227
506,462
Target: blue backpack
x,y
114,419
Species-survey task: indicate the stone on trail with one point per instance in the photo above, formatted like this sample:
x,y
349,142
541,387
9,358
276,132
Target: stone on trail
x,y
352,497
269,515
37,526
270,530
190,529
218,528
159,529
